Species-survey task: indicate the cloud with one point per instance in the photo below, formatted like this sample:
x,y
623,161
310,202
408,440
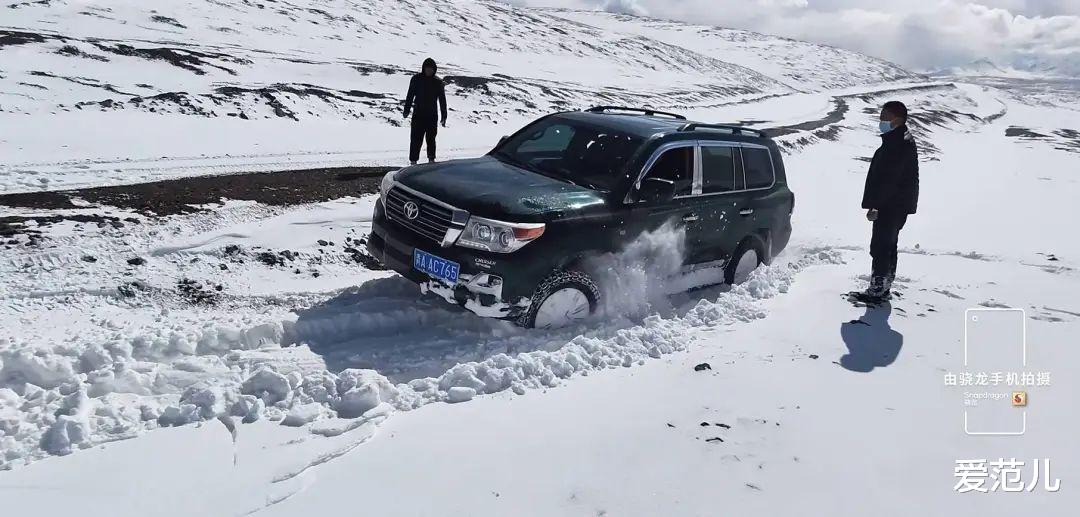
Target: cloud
x,y
1042,34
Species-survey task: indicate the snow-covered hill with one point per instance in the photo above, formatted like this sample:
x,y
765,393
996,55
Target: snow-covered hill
x,y
263,84
236,356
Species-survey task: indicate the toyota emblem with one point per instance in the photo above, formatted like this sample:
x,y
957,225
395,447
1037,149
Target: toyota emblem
x,y
412,211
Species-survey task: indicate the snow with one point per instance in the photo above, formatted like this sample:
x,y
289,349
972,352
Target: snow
x,y
236,87
207,381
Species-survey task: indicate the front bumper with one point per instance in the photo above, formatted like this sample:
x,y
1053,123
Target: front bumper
x,y
488,285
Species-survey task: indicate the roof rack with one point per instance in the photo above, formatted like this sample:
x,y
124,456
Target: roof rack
x,y
644,111
693,126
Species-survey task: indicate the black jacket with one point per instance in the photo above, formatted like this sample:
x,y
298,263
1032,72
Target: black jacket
x,y
892,183
424,93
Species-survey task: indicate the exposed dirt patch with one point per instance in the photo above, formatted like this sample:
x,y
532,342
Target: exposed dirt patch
x,y
176,196
11,38
197,293
29,226
840,108
191,60
167,21
73,51
470,83
1022,132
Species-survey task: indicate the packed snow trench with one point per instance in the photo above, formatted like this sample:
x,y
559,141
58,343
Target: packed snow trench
x,y
354,352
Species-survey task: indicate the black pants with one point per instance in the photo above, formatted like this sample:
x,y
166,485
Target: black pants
x,y
421,131
887,228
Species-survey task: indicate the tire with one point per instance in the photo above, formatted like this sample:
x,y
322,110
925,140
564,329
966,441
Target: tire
x,y
560,288
748,256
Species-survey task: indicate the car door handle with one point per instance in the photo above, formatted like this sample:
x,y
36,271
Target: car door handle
x,y
689,218
746,211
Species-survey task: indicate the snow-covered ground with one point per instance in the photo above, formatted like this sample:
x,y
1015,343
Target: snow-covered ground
x,y
262,367
125,91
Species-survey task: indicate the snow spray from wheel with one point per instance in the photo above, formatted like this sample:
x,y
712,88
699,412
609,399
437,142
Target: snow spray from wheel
x,y
633,281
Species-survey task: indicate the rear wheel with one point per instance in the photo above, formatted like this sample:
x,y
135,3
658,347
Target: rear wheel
x,y
562,299
747,257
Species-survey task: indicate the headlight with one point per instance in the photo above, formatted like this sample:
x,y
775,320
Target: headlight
x,y
497,236
387,182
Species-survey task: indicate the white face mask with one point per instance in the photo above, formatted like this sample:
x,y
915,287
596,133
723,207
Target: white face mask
x,y
885,126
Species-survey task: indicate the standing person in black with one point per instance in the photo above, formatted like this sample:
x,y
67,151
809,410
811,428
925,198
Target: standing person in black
x,y
890,195
425,91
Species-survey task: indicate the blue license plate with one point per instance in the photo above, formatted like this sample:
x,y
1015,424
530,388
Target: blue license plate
x,y
437,267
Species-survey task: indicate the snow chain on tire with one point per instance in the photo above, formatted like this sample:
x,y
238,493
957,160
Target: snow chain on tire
x,y
558,280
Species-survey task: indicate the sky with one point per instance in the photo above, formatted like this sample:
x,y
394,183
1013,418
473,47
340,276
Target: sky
x,y
919,34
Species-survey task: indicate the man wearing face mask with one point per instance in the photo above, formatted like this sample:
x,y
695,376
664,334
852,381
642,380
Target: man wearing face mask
x,y
425,91
890,195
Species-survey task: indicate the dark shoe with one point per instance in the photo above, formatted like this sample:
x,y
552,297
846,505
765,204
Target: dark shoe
x,y
878,289
431,160
412,162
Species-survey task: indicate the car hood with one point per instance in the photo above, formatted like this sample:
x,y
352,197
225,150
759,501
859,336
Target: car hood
x,y
487,187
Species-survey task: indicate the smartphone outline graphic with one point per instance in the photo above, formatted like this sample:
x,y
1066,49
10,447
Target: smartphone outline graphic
x,y
1023,343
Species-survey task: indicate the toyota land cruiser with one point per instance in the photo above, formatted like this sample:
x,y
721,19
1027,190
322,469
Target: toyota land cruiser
x,y
505,235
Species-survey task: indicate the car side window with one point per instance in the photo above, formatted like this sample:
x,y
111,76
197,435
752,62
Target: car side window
x,y
758,166
676,165
717,169
555,138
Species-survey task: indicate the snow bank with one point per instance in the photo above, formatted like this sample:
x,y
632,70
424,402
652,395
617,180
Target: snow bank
x,y
655,337
61,399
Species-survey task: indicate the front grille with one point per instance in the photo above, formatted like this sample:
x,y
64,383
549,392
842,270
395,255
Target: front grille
x,y
432,222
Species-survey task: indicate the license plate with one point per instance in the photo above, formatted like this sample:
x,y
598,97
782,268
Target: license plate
x,y
437,267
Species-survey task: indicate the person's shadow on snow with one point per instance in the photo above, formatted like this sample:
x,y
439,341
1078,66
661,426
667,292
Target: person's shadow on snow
x,y
871,342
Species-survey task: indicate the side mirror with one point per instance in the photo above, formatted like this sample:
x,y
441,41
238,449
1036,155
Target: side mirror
x,y
503,140
656,190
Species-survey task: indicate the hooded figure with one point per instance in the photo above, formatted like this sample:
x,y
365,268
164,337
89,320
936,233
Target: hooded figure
x,y
425,91
891,194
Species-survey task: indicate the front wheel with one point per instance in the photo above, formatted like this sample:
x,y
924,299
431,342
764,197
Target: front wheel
x,y
562,299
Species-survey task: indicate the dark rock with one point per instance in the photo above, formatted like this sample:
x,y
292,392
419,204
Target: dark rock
x,y
88,258
270,259
702,367
137,261
364,259
195,293
813,356
130,289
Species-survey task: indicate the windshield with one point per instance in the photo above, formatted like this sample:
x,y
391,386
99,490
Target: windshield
x,y
586,155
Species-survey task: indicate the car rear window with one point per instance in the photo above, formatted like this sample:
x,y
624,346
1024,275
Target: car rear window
x,y
758,166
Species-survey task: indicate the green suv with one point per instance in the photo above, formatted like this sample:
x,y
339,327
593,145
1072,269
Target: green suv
x,y
506,235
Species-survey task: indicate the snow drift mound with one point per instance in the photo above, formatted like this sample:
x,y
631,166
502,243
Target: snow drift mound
x,y
66,398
